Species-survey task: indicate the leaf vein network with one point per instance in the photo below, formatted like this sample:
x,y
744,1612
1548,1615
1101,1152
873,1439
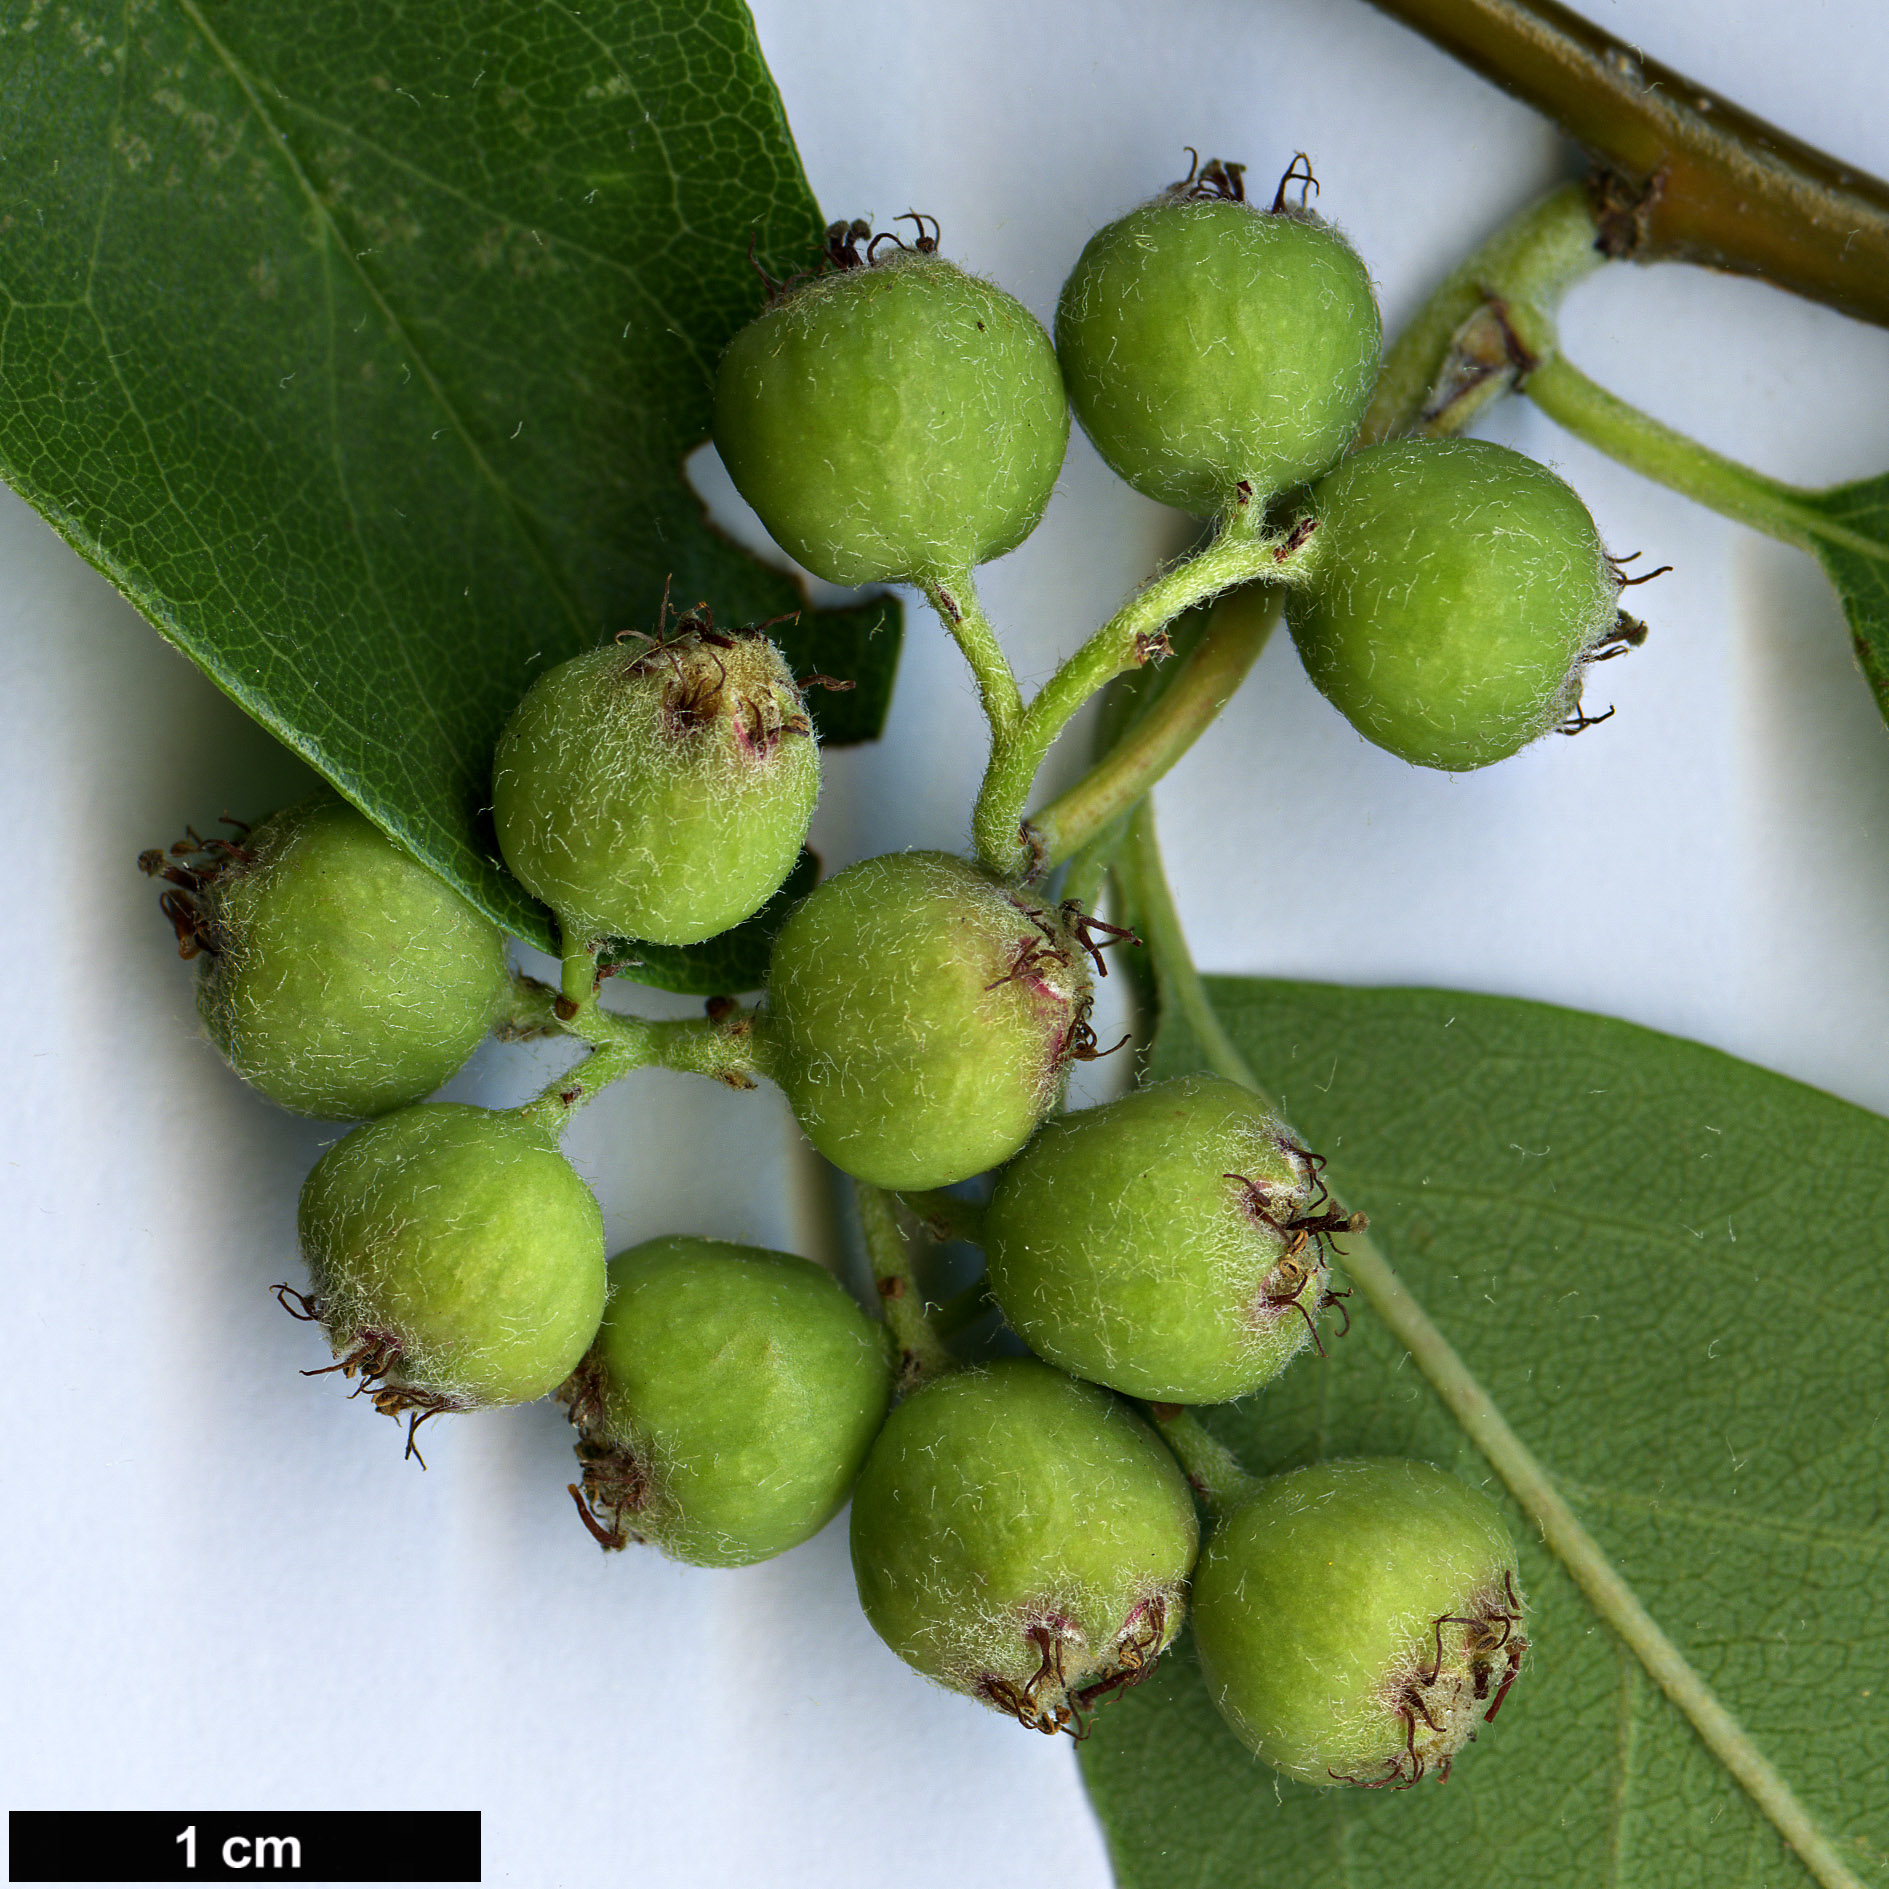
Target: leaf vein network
x,y
279,141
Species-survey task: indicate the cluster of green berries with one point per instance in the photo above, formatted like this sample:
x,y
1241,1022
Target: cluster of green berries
x,y
1021,1531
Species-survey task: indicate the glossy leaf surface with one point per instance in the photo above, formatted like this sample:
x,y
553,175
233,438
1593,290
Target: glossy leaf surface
x,y
361,346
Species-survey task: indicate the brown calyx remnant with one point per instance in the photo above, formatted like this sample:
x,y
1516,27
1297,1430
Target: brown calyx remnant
x,y
713,675
1459,1681
1623,634
840,251
1222,181
1307,1219
1622,208
1216,179
374,1357
613,1485
707,680
192,866
1047,1702
1050,948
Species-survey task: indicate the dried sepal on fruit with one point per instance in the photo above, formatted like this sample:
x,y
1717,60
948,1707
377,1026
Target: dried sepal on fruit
x,y
727,1402
658,788
1359,1622
1024,1539
1172,1245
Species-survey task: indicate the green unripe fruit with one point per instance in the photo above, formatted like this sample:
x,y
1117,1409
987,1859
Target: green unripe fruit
x,y
658,790
1457,594
899,420
727,1403
340,976
1359,1621
1167,1245
1217,353
457,1258
1024,1539
921,1017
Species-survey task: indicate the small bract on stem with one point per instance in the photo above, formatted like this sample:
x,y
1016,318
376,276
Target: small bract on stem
x,y
1490,329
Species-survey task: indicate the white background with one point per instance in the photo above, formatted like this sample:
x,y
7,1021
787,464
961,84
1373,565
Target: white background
x,y
223,1589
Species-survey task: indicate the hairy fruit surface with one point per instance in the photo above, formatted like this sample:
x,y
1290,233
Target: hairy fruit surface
x,y
903,419
1025,1539
658,789
921,1017
340,976
1215,352
1358,1622
1459,593
457,1258
1168,1245
727,1403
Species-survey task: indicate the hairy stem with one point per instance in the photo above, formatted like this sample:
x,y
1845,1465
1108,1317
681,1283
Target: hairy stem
x,y
1150,908
923,1353
1210,1466
954,597
1203,683
1525,1477
578,979
1491,328
1239,552
1687,176
722,1047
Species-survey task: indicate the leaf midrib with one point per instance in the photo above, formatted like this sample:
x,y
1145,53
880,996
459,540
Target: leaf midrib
x,y
672,322
279,141
1611,1597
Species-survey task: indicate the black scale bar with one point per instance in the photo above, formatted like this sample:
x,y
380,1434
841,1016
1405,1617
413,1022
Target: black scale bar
x,y
133,1846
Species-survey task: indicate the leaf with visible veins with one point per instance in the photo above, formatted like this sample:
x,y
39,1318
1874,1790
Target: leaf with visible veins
x,y
360,346
1668,1270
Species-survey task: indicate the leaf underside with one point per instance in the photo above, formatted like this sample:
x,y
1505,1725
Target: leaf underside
x,y
361,345
1849,531
1668,1269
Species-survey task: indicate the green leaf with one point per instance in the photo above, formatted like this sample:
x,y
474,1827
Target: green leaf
x,y
361,346
1848,527
1666,1269
718,967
